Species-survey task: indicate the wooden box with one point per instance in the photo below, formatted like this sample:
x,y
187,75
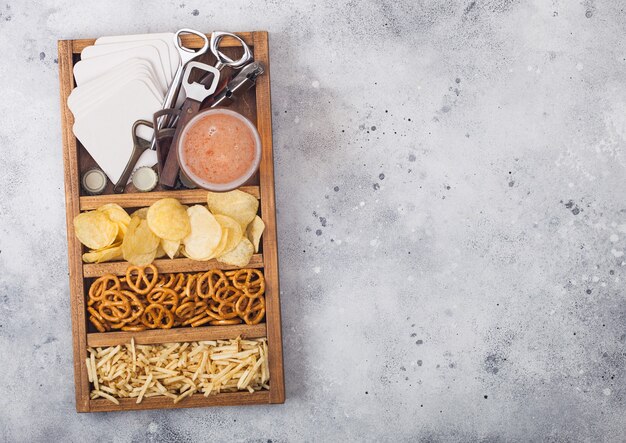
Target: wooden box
x,y
254,104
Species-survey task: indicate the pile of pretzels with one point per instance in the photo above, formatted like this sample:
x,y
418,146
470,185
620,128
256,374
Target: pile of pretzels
x,y
144,299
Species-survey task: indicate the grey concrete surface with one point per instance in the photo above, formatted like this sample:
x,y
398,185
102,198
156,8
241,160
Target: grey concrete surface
x,y
452,224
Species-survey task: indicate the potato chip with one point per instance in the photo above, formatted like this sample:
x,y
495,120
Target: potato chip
x,y
118,215
170,247
107,254
94,229
205,234
240,256
254,231
238,205
140,243
112,245
233,230
141,213
168,219
160,252
219,250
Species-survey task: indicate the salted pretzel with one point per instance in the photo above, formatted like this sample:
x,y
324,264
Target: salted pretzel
x,y
139,280
172,281
226,310
163,296
157,316
198,319
250,281
226,294
234,321
208,282
102,284
191,286
256,312
186,309
98,324
115,306
134,328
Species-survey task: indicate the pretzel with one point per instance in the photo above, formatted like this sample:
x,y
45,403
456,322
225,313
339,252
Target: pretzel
x,y
97,323
250,281
157,316
163,296
104,283
208,282
144,299
95,314
140,283
198,320
136,304
115,307
212,310
186,309
172,281
226,294
135,328
234,321
226,310
191,286
255,312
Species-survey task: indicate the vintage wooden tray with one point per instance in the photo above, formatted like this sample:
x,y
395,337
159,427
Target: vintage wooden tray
x,y
255,104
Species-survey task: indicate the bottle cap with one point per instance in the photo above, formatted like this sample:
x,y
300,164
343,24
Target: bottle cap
x,y
145,179
94,181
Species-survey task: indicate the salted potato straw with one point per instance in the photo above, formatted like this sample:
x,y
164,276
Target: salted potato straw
x,y
177,370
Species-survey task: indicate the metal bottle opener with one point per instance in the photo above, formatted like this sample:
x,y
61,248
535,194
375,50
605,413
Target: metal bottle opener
x,y
196,93
241,82
139,146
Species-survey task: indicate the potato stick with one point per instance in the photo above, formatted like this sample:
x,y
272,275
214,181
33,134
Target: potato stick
x,y
242,380
186,394
108,356
238,355
165,371
107,396
89,376
253,371
143,390
208,389
232,373
117,358
197,350
132,348
168,381
94,372
205,356
223,372
107,389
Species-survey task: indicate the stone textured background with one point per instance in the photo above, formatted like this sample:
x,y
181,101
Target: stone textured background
x,y
452,224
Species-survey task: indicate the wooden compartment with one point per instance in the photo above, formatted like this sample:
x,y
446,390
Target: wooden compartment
x,y
254,104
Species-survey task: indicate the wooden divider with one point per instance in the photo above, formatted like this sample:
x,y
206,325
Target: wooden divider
x,y
165,265
160,336
136,200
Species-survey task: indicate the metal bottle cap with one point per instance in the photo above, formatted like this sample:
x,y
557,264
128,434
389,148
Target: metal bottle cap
x,y
145,179
94,181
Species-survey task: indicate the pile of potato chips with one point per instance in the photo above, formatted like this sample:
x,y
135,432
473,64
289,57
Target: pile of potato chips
x,y
228,230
